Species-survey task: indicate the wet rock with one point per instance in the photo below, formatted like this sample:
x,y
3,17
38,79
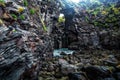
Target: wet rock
x,y
76,76
108,41
97,72
111,61
117,76
58,75
74,46
108,79
63,54
1,12
51,68
66,67
95,39
62,62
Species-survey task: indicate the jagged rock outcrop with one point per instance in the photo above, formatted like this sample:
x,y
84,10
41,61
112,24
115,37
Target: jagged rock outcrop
x,y
22,44
15,58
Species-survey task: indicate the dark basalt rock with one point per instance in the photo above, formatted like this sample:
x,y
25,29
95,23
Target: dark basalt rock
x,y
12,63
77,76
117,75
96,72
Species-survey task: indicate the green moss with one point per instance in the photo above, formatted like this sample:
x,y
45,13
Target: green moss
x,y
25,2
87,18
14,16
107,20
114,19
22,17
111,15
32,11
2,2
96,23
116,11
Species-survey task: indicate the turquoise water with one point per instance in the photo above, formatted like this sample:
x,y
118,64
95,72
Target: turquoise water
x,y
65,50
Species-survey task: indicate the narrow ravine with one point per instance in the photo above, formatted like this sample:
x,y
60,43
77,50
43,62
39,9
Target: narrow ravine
x,y
59,40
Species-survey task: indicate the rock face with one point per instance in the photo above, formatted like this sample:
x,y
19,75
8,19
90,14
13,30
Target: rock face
x,y
110,39
85,35
22,44
90,37
66,67
13,61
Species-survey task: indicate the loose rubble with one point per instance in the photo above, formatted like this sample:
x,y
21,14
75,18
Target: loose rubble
x,y
82,66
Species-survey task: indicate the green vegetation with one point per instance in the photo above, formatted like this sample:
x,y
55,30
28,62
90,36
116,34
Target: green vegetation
x,y
25,2
14,16
44,26
32,11
2,2
22,17
101,15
